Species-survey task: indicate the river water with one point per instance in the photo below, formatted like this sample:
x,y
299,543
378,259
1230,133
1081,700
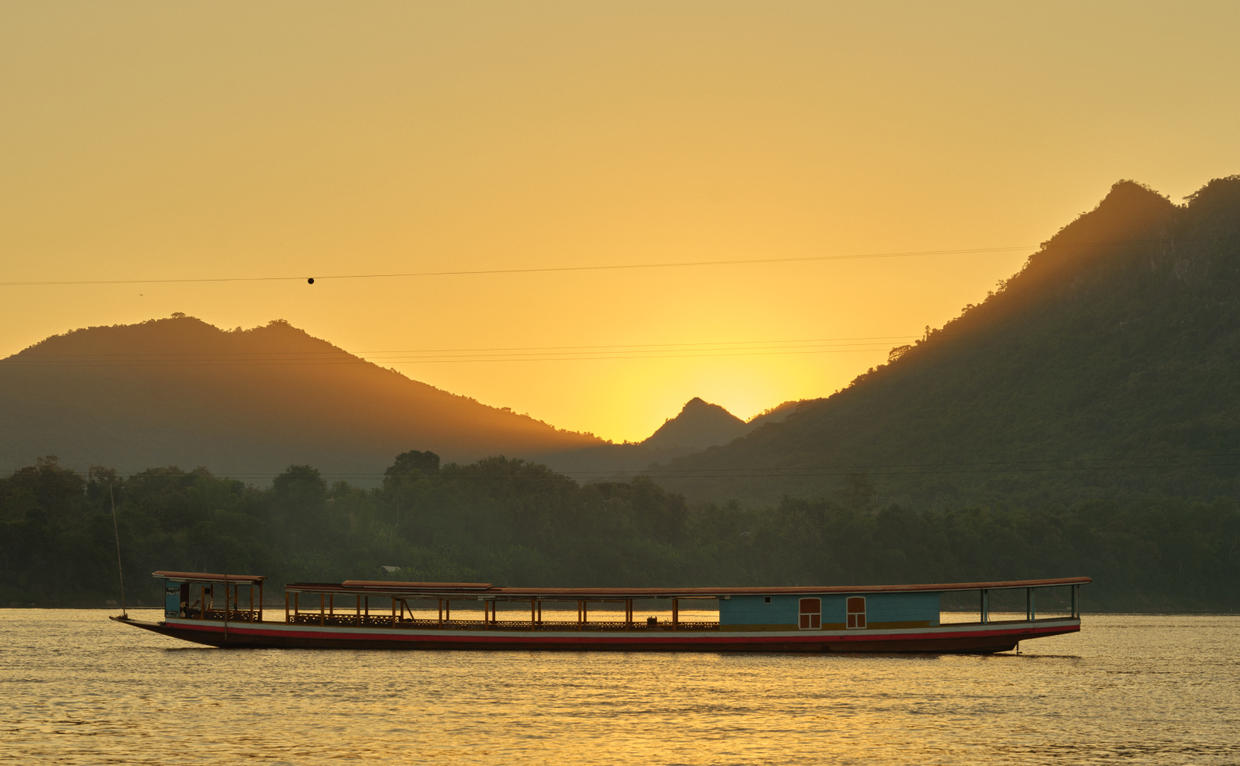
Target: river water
x,y
78,689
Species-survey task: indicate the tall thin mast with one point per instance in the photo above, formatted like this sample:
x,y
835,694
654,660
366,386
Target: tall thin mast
x,y
117,531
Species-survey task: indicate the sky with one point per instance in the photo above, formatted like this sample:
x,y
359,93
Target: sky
x,y
589,212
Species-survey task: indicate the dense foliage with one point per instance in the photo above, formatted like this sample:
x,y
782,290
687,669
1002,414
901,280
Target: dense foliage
x,y
517,523
1108,369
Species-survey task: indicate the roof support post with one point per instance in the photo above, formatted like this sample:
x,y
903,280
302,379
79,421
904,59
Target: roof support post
x,y
285,607
985,616
675,613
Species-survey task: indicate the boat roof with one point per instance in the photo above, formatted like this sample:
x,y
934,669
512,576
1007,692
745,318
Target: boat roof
x,y
207,577
397,588
471,586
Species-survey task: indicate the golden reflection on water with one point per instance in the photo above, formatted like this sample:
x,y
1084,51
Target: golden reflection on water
x,y
81,690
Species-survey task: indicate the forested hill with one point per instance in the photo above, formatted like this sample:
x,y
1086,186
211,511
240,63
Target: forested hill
x,y
516,523
245,403
1108,367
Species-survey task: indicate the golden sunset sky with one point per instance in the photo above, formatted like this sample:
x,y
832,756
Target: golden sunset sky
x,y
732,157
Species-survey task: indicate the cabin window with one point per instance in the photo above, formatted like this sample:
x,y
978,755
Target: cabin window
x,y
856,611
811,613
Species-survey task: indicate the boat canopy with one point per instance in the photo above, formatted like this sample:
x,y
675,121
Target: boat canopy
x,y
403,586
208,577
397,588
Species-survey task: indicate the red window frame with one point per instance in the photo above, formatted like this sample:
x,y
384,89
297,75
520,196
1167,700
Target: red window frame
x,y
855,607
810,613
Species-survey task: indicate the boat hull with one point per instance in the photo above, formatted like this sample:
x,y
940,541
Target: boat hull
x,y
970,638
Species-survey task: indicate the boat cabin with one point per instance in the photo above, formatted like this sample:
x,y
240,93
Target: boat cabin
x,y
828,611
207,596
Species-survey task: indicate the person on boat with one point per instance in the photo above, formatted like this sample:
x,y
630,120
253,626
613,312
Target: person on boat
x,y
200,606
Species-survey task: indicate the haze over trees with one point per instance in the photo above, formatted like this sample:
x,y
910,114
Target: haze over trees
x,y
518,523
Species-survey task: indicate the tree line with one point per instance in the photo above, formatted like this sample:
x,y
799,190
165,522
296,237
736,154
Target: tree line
x,y
513,522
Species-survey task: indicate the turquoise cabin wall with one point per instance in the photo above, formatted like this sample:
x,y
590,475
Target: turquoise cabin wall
x,y
902,607
172,599
833,609
785,610
753,610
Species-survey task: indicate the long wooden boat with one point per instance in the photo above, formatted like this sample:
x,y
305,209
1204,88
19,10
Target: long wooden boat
x,y
226,610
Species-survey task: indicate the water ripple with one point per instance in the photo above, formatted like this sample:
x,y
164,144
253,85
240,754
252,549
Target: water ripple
x,y
1128,689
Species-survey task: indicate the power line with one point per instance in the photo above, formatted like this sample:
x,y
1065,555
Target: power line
x,y
523,270
313,278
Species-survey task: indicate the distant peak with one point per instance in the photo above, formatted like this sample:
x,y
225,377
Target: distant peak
x,y
1129,211
700,424
1133,196
175,334
698,407
176,317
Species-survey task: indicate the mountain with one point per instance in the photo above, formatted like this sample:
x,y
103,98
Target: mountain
x,y
1108,367
698,426
245,403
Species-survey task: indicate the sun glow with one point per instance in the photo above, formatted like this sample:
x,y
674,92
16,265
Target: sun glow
x,y
511,146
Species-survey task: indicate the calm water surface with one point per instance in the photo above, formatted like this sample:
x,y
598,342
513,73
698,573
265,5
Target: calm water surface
x,y
77,689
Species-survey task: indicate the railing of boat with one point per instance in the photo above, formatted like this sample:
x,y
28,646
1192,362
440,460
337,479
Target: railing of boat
x,y
231,615
386,621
